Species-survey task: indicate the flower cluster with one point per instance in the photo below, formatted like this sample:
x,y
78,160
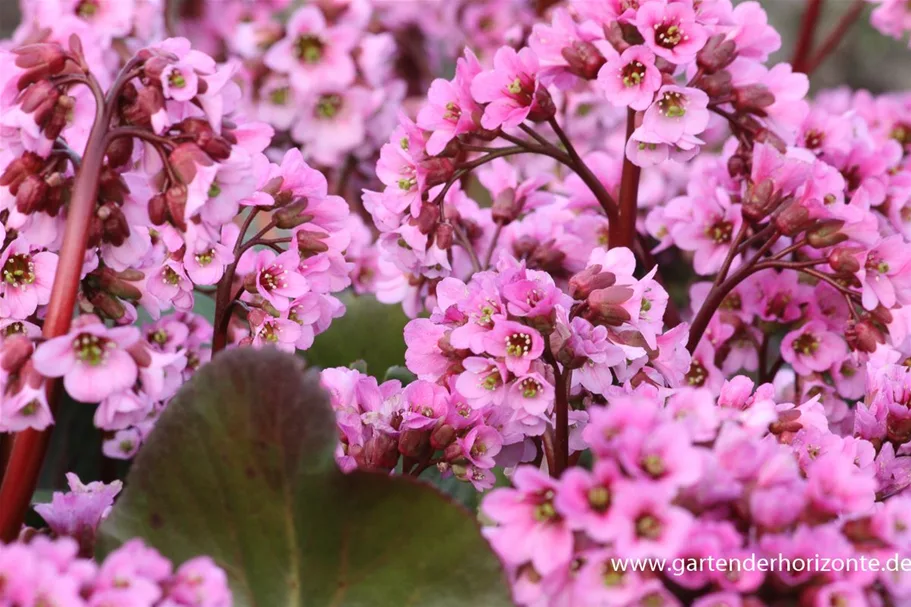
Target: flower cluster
x,y
46,572
688,476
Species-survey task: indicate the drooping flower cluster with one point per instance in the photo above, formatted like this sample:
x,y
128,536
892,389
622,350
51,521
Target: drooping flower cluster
x,y
49,572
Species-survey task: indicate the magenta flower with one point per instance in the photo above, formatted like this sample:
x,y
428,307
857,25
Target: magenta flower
x,y
630,78
677,115
587,500
529,528
78,513
885,273
715,221
451,110
531,393
812,348
510,90
314,53
518,344
92,359
670,30
649,526
481,445
26,278
276,277
483,382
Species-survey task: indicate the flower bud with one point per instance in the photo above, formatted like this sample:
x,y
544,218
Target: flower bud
x,y
505,207
185,158
753,98
584,59
864,336
139,110
292,215
40,99
176,199
844,259
108,306
16,350
826,234
444,236
311,243
881,314
39,61
414,443
158,209
543,108
120,151
31,194
110,282
20,168
436,170
590,279
760,200
604,306
716,85
379,453
717,54
738,166
793,218
111,186
59,117
428,217
442,436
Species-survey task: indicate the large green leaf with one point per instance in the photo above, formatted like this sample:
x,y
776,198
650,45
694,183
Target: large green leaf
x,y
241,467
370,331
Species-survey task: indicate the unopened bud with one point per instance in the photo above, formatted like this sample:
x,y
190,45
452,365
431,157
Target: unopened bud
x,y
428,217
292,215
311,243
120,151
20,168
543,108
437,170
864,336
717,54
414,443
40,99
826,234
760,200
753,98
505,207
444,236
158,209
717,85
442,436
17,349
844,259
111,186
39,61
793,218
738,166
184,160
31,194
590,279
147,102
379,453
604,305
107,305
176,198
881,314
584,59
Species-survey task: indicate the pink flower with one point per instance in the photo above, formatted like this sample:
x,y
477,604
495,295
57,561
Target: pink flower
x,y
450,110
670,30
276,277
531,393
511,90
529,528
715,221
78,513
812,348
663,454
587,500
92,359
201,583
517,343
314,53
649,526
25,278
631,78
885,273
677,115
481,445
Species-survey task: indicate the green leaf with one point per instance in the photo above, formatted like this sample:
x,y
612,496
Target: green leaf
x,y
400,373
241,467
369,331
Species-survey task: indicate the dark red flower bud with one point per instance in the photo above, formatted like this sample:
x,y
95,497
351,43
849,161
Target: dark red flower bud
x,y
760,200
844,259
16,351
881,314
107,306
139,110
505,207
864,336
604,306
753,98
414,443
120,151
584,59
543,108
738,166
39,61
826,234
379,453
111,186
293,215
116,228
716,85
311,243
436,170
442,436
185,158
20,168
428,217
31,194
717,54
176,199
40,100
153,69
590,279
116,285
158,209
444,236
793,218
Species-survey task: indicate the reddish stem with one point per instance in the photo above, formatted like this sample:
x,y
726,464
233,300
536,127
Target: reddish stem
x,y
807,32
624,233
561,432
30,446
835,37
